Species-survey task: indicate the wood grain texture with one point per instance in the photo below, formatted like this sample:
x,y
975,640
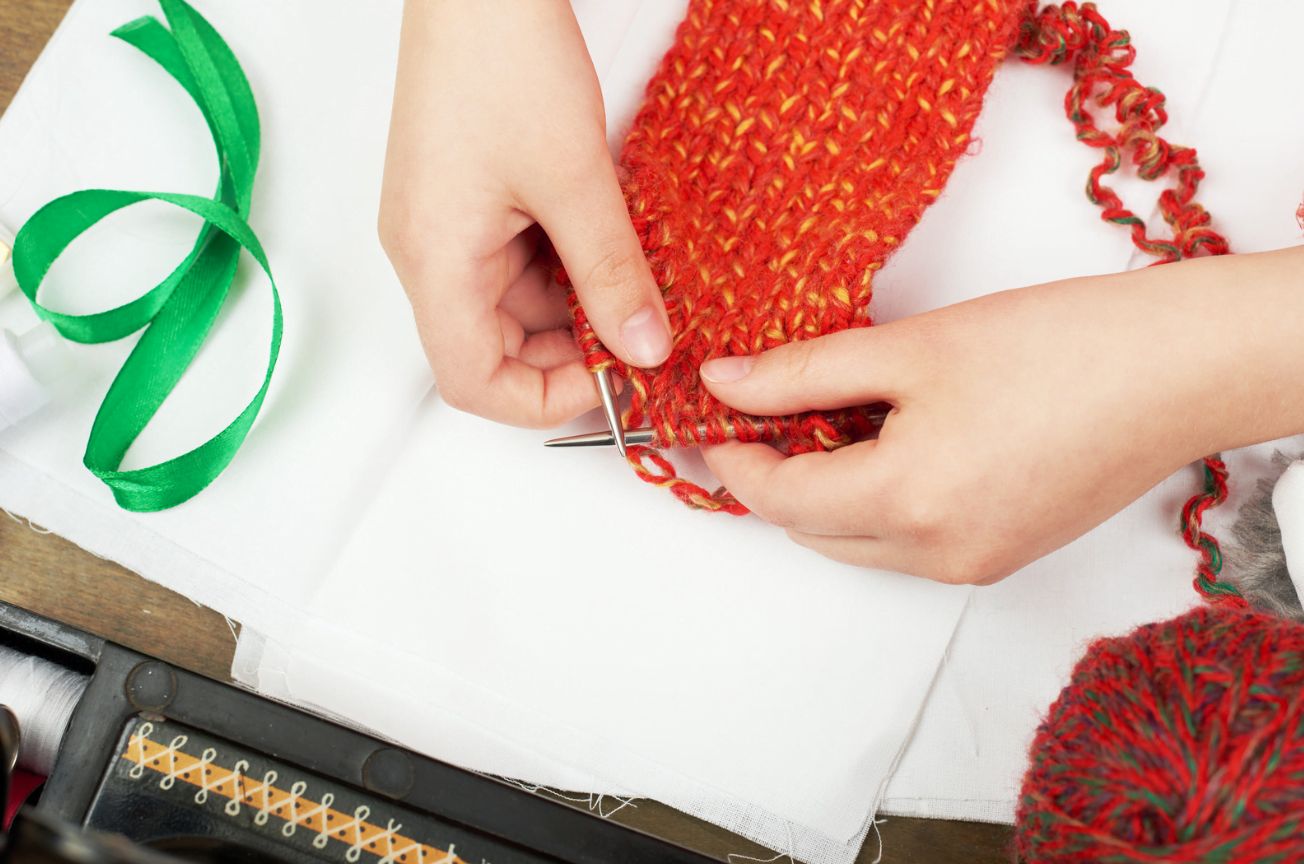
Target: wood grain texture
x,y
53,577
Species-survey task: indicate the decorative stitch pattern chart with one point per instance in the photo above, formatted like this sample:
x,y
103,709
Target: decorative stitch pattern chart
x,y
279,802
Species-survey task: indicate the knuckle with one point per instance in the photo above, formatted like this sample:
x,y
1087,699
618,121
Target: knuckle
x,y
971,567
918,519
401,236
962,571
457,387
775,517
455,395
615,277
799,360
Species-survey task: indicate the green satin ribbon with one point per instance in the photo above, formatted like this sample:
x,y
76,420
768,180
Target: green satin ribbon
x,y
180,310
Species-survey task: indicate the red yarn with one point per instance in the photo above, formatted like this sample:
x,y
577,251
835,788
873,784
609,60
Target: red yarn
x,y
1101,55
1182,742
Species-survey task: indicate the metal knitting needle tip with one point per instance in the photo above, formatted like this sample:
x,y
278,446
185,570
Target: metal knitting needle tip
x,y
645,434
602,439
611,409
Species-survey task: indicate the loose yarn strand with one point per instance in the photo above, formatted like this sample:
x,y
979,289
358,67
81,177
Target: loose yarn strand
x,y
1101,56
686,491
1210,565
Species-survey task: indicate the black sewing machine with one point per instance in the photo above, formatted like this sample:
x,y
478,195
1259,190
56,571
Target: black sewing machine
x,y
159,764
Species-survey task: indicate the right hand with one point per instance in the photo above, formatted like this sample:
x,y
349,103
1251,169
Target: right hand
x,y
498,125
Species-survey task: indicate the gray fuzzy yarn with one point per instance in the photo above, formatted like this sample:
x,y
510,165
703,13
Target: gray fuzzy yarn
x,y
1257,564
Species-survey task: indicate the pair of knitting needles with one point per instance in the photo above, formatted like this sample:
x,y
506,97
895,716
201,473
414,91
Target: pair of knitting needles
x,y
616,432
620,436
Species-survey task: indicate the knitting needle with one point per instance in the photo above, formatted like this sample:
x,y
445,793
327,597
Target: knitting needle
x,y
611,410
602,439
644,435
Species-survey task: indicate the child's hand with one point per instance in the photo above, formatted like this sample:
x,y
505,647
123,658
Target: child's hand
x,y
1025,418
498,125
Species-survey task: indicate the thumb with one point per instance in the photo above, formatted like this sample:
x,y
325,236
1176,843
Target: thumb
x,y
590,228
852,367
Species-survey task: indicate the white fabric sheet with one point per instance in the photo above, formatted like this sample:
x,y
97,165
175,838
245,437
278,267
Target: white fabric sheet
x,y
530,612
447,582
95,112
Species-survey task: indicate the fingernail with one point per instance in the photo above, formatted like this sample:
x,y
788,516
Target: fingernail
x,y
724,370
645,338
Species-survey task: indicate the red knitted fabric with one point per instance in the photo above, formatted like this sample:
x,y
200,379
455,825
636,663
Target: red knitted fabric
x,y
785,149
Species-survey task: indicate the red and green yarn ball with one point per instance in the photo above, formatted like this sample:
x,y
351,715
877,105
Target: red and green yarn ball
x,y
1181,742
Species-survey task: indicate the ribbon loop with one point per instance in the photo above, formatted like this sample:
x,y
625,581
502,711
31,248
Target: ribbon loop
x,y
179,312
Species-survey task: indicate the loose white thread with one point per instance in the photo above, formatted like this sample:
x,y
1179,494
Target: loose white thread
x,y
593,800
736,855
42,696
787,827
879,835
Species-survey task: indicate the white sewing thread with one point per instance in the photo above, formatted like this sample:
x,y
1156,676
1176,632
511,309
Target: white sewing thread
x,y
593,800
879,834
42,696
740,857
788,828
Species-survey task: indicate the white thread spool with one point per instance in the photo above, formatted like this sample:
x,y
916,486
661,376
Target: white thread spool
x,y
42,696
28,365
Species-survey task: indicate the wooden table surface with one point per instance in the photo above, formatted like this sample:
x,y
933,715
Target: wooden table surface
x,y
50,576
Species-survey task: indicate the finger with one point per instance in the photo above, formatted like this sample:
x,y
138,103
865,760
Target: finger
x,y
887,554
536,301
808,493
867,552
513,334
550,349
469,343
590,228
853,367
532,398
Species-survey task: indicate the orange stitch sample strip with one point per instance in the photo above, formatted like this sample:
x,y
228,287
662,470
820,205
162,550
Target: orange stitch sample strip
x,y
293,808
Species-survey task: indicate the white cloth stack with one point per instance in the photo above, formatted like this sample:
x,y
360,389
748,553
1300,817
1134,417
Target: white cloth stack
x,y
541,614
